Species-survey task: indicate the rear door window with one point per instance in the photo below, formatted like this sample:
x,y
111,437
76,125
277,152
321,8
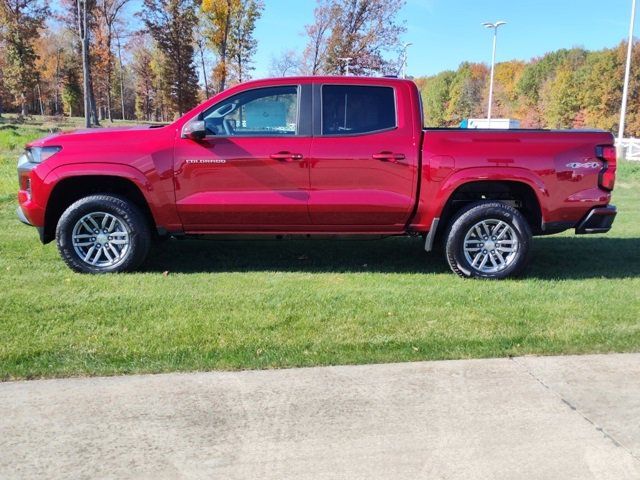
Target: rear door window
x,y
353,109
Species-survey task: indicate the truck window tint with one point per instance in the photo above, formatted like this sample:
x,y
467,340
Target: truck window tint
x,y
347,110
260,112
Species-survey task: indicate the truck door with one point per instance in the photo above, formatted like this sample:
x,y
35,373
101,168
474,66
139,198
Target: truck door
x,y
250,172
363,157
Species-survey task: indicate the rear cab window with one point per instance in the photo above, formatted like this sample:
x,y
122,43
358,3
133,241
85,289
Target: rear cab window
x,y
357,109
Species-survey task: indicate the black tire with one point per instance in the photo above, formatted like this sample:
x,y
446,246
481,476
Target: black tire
x,y
513,264
138,234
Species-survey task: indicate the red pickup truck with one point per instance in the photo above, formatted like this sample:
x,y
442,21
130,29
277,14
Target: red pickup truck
x,y
310,156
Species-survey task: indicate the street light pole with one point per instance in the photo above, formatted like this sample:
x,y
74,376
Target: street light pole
x,y
495,27
347,62
627,74
404,59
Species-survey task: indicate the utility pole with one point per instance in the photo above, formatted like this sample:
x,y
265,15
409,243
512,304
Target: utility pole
x,y
627,74
347,63
495,27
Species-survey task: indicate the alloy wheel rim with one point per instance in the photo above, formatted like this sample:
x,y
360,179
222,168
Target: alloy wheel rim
x,y
491,246
101,239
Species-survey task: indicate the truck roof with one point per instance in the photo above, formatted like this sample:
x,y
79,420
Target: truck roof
x,y
340,79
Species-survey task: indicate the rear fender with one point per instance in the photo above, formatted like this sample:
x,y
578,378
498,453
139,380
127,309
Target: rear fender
x,y
435,195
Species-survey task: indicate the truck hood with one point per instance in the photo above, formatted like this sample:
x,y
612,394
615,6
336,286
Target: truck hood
x,y
84,134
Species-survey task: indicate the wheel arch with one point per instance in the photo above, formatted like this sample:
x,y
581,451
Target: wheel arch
x,y
518,193
70,188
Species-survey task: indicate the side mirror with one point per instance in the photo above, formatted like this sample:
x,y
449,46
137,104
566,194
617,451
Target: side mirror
x,y
194,130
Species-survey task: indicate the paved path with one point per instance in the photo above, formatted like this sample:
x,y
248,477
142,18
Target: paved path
x,y
523,418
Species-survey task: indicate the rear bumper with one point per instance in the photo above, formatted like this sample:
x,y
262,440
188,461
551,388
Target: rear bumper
x,y
598,220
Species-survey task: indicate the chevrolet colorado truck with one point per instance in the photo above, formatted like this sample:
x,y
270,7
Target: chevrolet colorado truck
x,y
338,156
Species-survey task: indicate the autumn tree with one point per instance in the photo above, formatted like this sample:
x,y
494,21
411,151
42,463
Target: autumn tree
x,y
21,22
467,92
632,124
72,95
364,30
436,96
2,68
107,13
217,16
171,23
229,28
162,104
144,78
505,94
599,92
243,43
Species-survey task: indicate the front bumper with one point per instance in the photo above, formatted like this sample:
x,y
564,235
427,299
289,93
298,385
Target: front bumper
x,y
598,220
22,217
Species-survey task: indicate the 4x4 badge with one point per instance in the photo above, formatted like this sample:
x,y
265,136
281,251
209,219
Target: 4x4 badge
x,y
575,165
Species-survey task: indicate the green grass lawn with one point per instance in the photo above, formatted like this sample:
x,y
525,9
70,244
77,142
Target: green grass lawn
x,y
201,305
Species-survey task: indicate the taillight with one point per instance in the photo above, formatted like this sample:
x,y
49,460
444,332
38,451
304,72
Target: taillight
x,y
607,178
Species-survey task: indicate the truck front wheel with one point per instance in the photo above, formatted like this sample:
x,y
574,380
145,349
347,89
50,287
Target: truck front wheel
x,y
488,240
102,234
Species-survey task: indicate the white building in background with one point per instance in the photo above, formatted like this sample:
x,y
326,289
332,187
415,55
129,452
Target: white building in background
x,y
496,123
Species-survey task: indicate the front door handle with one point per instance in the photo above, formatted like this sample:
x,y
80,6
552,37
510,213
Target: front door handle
x,y
286,156
388,157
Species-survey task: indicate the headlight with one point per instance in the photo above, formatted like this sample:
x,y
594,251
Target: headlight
x,y
40,154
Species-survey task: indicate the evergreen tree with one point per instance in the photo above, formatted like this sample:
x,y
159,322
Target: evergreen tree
x,y
171,23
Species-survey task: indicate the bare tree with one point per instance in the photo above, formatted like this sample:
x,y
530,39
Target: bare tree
x,y
287,64
121,66
364,30
83,13
200,42
107,12
318,32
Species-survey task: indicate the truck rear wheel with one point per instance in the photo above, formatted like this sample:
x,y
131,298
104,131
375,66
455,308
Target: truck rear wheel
x,y
488,240
102,234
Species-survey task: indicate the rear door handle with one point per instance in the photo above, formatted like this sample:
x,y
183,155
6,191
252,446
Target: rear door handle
x,y
388,157
286,156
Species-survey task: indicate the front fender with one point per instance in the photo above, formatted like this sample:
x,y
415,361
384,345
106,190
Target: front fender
x,y
158,193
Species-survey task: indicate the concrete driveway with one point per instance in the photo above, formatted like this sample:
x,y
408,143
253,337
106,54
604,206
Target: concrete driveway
x,y
522,418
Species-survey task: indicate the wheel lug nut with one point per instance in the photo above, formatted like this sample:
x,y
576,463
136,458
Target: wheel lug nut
x,y
93,239
493,251
110,238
